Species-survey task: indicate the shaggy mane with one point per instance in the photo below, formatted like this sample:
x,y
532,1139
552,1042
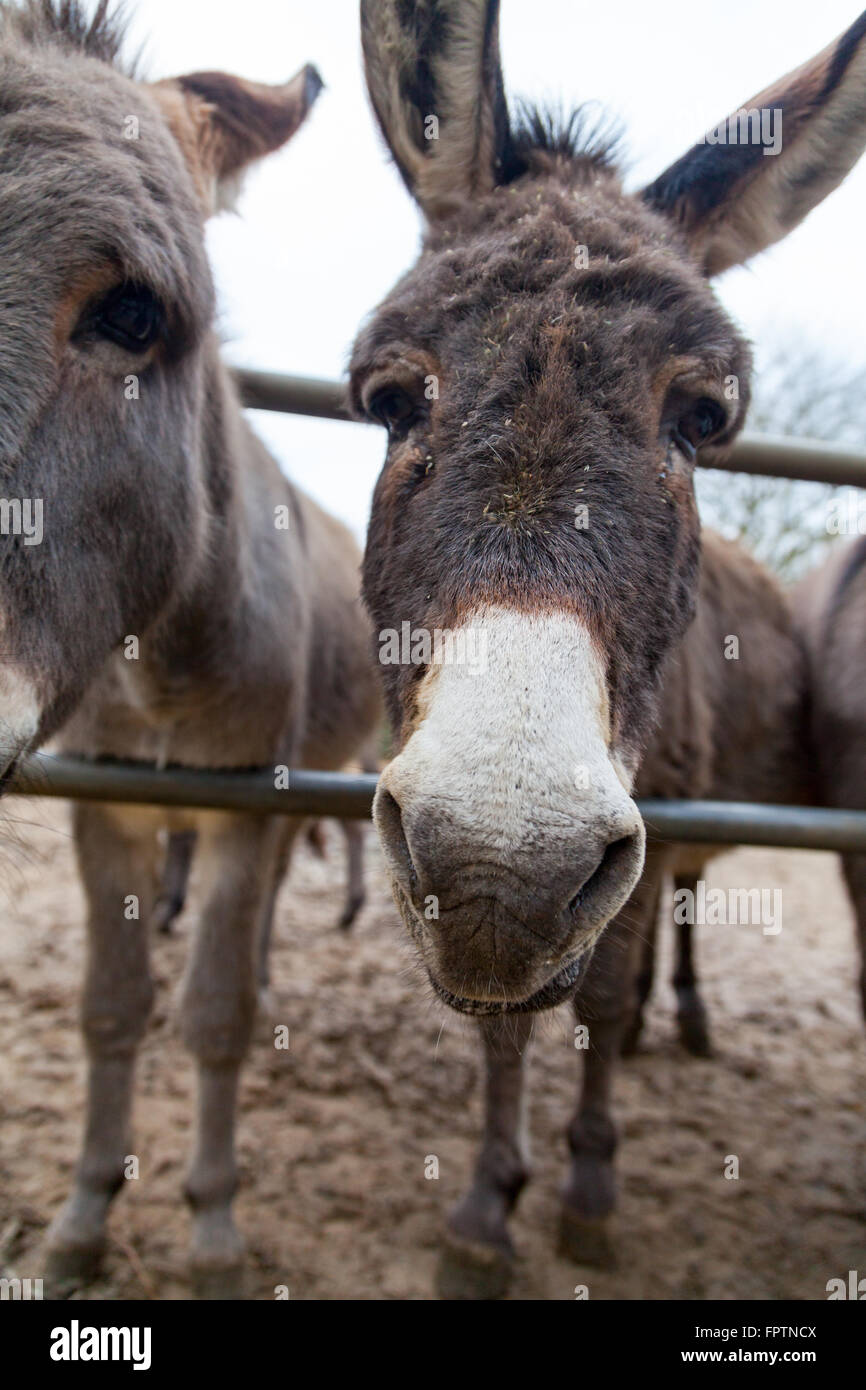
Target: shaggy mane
x,y
579,136
98,32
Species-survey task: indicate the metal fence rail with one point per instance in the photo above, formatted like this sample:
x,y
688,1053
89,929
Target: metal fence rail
x,y
350,797
773,457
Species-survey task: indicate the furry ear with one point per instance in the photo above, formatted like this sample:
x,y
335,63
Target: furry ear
x,y
759,173
435,83
223,124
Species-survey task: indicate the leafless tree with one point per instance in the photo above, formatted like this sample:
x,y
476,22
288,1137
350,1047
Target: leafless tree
x,y
801,392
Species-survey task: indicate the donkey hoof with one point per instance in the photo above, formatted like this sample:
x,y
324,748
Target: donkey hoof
x,y
586,1242
70,1267
217,1255
470,1272
630,1038
349,913
218,1282
163,917
694,1031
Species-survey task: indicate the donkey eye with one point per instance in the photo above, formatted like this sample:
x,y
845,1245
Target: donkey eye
x,y
393,407
130,316
698,424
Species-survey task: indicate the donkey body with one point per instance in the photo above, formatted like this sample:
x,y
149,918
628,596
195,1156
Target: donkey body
x,y
732,727
547,372
832,610
188,604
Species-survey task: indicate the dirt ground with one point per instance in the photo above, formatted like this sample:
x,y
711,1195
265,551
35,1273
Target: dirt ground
x,y
335,1131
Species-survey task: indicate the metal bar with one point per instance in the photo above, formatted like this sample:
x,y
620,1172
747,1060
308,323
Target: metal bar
x,y
782,456
297,395
753,823
308,794
770,456
350,796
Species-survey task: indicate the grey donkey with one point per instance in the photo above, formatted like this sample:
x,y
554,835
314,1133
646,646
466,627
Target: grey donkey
x,y
186,605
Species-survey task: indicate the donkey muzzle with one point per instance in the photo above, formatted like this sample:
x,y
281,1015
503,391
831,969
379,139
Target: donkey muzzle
x,y
508,830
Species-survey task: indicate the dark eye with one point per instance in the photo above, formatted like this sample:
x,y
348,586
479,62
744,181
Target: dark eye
x,y
394,408
698,424
131,317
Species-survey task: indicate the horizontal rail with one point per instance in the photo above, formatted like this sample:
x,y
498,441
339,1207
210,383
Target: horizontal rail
x,y
339,794
296,395
348,796
755,823
808,460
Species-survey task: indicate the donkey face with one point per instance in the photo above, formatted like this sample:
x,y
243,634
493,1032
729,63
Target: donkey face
x,y
546,373
106,304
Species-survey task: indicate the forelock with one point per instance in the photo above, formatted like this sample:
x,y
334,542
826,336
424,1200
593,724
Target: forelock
x,y
93,30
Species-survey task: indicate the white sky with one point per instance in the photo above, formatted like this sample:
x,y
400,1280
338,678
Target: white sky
x,y
326,226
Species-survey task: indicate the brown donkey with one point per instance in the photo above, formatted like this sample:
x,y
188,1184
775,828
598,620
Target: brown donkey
x,y
832,609
187,605
547,372
733,726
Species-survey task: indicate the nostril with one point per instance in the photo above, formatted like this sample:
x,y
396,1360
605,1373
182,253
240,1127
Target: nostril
x,y
616,858
389,819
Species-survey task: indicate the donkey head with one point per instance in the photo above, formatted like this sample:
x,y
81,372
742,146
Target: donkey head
x,y
546,374
106,303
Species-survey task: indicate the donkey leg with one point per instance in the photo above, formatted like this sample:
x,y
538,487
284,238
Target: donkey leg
x,y
118,866
285,832
644,981
354,835
691,1014
238,855
175,879
605,1001
479,1254
854,866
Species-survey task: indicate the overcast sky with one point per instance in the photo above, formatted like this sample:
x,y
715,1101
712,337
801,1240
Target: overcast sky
x,y
325,226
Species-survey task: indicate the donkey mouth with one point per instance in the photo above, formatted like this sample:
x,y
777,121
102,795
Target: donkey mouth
x,y
555,992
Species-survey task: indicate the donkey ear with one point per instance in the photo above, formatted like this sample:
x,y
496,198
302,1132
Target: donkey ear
x,y
733,198
223,124
435,82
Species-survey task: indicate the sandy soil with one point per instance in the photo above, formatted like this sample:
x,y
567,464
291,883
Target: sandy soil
x,y
335,1131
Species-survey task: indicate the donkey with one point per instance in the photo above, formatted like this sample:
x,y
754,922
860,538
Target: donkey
x,y
170,537
179,853
733,726
684,873
547,372
832,610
